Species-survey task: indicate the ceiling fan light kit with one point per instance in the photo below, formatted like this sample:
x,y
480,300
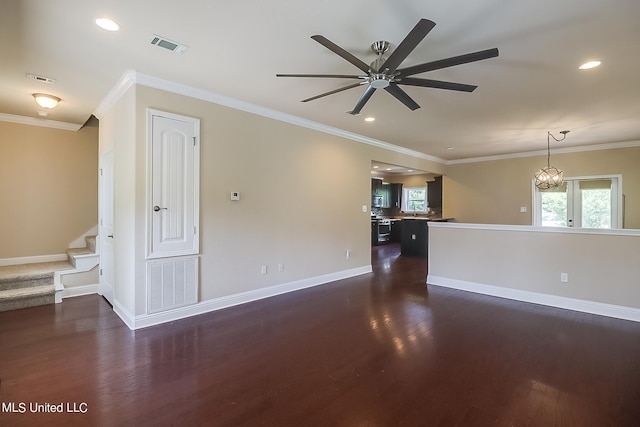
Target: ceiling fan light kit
x,y
383,73
550,177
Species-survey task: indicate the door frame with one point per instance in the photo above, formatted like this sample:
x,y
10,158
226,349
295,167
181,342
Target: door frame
x,y
149,188
617,200
105,243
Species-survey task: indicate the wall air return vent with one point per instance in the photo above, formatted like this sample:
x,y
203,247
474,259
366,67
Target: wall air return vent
x,y
168,44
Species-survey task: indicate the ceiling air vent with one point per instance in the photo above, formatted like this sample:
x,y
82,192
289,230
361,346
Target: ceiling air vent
x,y
168,44
41,78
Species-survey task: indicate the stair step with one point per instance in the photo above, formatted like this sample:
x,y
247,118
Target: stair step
x,y
82,258
25,272
91,243
29,285
13,299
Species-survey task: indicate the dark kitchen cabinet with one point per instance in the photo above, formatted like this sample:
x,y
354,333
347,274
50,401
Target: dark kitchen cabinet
x,y
395,196
376,187
396,231
414,237
434,193
374,233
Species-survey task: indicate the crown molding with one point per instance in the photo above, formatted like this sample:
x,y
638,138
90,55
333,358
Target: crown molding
x,y
123,84
131,77
32,121
562,150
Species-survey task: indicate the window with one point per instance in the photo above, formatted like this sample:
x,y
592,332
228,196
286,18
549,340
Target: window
x,y
414,199
588,202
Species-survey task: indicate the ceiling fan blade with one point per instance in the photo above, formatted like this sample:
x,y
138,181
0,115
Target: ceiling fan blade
x,y
332,92
449,62
341,52
438,84
415,36
363,100
329,76
402,96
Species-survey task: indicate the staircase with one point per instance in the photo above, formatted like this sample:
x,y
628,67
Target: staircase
x,y
30,285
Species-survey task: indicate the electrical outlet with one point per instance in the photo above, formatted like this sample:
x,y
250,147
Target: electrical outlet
x,y
364,208
523,209
413,237
564,277
263,269
281,267
347,254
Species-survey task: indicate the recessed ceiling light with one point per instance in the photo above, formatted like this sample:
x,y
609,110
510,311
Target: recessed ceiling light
x,y
589,65
409,170
370,119
449,148
388,169
376,167
107,24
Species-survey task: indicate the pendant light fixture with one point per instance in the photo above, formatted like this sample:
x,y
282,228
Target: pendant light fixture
x,y
550,177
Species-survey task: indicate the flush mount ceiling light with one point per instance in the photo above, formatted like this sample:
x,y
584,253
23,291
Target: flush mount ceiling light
x,y
550,177
589,65
107,24
46,101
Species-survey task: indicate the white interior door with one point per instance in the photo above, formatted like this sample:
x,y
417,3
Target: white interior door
x,y
105,227
174,180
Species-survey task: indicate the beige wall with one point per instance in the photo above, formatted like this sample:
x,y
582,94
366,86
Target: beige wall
x,y
302,193
492,192
529,260
48,188
118,134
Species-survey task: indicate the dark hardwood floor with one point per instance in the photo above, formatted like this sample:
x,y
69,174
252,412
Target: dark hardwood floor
x,y
377,350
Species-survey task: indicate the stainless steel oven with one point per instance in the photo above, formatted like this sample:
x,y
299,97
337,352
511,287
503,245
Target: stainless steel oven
x,y
384,231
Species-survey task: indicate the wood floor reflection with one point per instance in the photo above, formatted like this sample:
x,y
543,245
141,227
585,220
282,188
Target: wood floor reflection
x,y
381,349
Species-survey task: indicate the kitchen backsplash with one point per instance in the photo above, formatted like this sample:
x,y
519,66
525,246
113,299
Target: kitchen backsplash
x,y
395,212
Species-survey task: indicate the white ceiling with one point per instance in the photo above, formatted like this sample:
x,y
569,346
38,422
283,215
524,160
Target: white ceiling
x,y
236,48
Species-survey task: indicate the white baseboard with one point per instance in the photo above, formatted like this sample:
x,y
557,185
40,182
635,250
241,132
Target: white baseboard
x,y
76,291
32,259
146,320
124,314
585,306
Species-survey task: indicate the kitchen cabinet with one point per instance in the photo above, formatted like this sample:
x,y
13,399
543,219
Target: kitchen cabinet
x,y
376,186
396,230
434,193
395,196
414,237
374,233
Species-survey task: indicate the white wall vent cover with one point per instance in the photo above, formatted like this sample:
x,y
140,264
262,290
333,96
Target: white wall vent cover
x,y
168,44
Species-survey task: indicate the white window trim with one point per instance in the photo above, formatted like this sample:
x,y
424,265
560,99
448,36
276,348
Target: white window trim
x,y
617,198
405,198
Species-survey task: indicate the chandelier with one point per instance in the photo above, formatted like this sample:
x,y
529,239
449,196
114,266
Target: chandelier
x,y
550,176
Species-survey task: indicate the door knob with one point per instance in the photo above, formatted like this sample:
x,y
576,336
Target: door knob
x,y
157,208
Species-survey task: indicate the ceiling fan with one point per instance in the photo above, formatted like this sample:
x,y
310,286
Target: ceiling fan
x,y
383,73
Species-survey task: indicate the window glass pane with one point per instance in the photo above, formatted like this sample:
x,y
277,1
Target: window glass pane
x,y
596,208
415,199
554,209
